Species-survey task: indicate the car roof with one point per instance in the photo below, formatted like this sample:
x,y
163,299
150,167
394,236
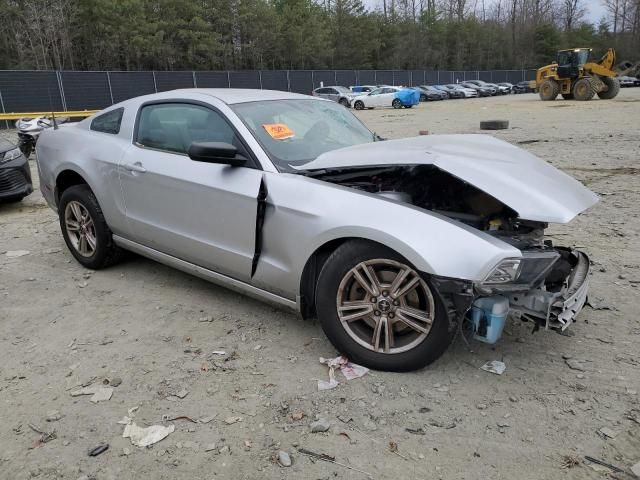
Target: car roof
x,y
229,96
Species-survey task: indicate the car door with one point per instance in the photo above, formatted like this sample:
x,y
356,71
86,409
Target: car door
x,y
204,213
373,98
387,97
332,94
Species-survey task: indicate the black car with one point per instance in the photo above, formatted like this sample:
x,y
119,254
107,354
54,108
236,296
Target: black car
x,y
449,93
428,94
522,87
15,174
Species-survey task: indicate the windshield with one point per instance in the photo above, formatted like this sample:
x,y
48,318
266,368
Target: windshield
x,y
295,132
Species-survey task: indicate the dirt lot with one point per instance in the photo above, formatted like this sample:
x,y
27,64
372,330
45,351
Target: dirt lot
x,y
156,328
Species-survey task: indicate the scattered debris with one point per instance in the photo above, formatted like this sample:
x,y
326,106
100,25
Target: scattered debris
x,y
218,352
494,366
232,420
210,447
114,382
99,393
416,431
574,364
569,462
494,124
636,469
284,459
207,419
529,142
604,464
393,448
606,432
97,450
17,253
45,437
320,425
53,416
182,393
143,437
167,418
342,363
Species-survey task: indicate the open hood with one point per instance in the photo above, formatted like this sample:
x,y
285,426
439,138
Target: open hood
x,y
520,180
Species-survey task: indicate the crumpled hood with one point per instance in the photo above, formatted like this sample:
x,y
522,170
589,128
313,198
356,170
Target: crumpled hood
x,y
530,186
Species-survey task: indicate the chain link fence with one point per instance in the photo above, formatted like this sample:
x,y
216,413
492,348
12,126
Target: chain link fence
x,y
32,91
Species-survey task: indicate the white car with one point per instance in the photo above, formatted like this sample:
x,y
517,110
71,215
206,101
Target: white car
x,y
468,92
396,97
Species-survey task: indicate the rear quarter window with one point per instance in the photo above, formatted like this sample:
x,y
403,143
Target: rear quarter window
x,y
108,122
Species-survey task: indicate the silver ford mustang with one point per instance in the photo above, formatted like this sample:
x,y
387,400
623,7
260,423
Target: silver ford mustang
x,y
393,245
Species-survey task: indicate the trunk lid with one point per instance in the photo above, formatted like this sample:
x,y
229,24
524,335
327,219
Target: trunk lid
x,y
530,186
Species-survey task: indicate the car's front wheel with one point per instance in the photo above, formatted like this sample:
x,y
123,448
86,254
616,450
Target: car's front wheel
x,y
378,310
85,229
359,105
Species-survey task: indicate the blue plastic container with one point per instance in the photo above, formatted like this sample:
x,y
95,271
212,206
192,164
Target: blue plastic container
x,y
488,315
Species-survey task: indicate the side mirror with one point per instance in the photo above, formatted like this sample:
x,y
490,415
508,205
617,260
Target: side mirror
x,y
216,152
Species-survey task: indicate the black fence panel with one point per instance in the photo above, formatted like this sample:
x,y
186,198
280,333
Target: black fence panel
x,y
30,91
458,77
212,79
275,80
126,85
471,75
172,80
416,77
445,77
384,77
498,77
245,79
485,76
86,90
432,77
301,81
324,77
346,78
366,77
401,78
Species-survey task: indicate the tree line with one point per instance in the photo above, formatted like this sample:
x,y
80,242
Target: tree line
x,y
306,34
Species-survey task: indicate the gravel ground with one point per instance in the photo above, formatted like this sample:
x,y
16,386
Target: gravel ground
x,y
156,328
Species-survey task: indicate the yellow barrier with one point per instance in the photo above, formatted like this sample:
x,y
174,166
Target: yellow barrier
x,y
74,113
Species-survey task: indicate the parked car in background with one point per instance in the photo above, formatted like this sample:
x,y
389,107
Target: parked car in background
x,y
508,85
362,88
500,89
342,95
15,174
449,93
466,92
482,91
523,87
429,94
626,81
396,97
290,199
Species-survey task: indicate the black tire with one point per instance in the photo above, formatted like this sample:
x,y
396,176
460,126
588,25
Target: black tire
x,y
337,266
106,252
567,96
494,124
423,98
359,105
408,106
583,90
613,88
549,90
344,102
396,103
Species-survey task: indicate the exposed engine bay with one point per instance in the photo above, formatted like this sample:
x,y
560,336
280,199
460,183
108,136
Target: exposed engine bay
x,y
551,282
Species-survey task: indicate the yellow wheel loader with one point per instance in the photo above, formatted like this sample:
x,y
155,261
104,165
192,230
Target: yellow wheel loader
x,y
574,76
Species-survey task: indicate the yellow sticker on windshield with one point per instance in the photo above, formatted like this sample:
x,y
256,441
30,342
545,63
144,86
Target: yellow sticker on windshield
x,y
279,131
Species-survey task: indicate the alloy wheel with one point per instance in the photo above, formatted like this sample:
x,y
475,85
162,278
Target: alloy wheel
x,y
385,306
80,228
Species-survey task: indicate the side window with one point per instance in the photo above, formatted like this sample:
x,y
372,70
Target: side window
x,y
322,91
108,122
377,91
175,126
332,91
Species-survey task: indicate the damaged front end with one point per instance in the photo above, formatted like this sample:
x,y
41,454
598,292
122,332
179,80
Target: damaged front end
x,y
546,284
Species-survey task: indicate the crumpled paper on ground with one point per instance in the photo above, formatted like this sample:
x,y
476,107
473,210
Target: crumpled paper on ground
x,y
494,366
98,392
342,363
143,437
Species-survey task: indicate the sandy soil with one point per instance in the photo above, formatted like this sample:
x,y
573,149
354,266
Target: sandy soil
x,y
63,326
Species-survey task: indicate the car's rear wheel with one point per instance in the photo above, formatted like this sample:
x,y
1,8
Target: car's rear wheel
x,y
396,103
85,229
359,105
378,310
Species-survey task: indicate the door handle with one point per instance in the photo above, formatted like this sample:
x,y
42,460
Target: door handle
x,y
134,167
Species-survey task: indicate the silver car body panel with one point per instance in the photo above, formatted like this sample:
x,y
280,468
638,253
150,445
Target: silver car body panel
x,y
530,186
302,214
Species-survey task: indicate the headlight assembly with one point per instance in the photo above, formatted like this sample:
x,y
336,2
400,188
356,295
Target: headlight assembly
x,y
10,155
507,271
